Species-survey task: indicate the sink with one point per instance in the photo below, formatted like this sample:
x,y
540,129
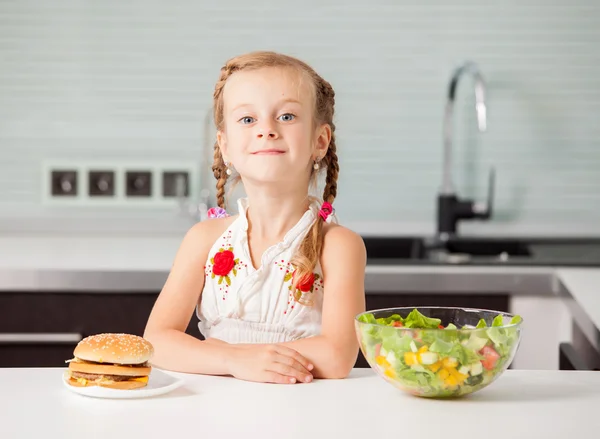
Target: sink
x,y
415,248
488,247
394,248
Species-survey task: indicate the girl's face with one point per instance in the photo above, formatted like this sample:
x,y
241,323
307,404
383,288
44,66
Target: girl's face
x,y
269,134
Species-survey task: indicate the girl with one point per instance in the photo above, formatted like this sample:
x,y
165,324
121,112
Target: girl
x,y
276,287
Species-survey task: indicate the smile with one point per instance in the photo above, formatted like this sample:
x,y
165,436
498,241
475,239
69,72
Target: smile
x,y
269,152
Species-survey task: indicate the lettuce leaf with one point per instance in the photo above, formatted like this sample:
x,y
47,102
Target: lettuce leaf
x,y
464,355
367,318
417,320
397,343
503,338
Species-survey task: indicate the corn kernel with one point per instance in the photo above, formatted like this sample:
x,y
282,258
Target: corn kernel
x,y
435,366
410,358
451,381
422,349
458,376
450,362
382,361
443,374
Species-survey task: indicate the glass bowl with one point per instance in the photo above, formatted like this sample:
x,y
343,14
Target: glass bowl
x,y
438,352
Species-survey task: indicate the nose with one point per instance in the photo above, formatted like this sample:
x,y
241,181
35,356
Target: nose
x,y
267,131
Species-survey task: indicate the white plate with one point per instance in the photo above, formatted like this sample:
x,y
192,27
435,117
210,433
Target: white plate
x,y
159,383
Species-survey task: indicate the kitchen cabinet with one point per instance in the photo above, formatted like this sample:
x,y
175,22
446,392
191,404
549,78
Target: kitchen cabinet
x,y
579,353
569,358
42,329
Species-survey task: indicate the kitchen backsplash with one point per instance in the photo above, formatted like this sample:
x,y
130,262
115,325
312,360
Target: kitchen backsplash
x,y
132,80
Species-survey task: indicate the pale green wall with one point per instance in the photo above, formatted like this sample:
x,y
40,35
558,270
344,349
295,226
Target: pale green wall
x,y
134,79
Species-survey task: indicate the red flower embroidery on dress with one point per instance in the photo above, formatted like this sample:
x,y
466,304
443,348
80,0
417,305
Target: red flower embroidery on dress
x,y
223,263
306,283
305,289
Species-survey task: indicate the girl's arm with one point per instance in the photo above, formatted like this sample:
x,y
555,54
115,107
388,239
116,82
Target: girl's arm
x,y
173,348
333,353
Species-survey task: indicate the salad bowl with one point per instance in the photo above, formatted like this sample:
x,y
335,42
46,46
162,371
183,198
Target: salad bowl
x,y
438,352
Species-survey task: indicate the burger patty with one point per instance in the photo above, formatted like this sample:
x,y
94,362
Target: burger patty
x,y
94,376
145,364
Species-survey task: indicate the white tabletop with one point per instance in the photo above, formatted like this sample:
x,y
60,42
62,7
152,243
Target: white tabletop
x,y
527,404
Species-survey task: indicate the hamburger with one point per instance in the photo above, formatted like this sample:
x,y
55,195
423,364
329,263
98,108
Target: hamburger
x,y
116,361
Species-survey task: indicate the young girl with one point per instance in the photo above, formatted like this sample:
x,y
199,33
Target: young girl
x,y
276,287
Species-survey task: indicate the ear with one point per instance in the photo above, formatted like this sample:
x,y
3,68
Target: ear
x,y
322,141
222,142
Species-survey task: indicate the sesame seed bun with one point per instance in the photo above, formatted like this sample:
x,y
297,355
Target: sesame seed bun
x,y
123,385
115,349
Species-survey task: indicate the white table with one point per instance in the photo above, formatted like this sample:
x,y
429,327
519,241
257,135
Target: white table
x,y
521,404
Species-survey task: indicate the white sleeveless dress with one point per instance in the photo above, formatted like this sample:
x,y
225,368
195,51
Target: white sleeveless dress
x,y
241,304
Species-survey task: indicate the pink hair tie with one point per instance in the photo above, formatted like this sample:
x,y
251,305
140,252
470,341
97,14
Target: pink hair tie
x,y
217,212
326,212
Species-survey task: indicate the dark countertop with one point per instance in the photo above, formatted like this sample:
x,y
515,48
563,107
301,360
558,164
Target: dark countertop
x,y
475,251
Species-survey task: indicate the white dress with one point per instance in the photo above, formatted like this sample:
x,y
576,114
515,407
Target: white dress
x,y
241,304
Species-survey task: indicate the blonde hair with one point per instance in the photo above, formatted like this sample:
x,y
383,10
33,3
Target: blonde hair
x,y
309,252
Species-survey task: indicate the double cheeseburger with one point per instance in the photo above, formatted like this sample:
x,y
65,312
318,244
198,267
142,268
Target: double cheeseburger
x,y
116,361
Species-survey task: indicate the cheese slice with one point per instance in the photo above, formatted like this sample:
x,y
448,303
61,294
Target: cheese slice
x,y
140,379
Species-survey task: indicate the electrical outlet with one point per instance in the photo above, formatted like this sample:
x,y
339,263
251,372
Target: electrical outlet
x,y
171,181
101,183
63,183
119,183
138,183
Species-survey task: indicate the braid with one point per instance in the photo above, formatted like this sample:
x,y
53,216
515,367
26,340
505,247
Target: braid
x,y
219,168
333,170
220,173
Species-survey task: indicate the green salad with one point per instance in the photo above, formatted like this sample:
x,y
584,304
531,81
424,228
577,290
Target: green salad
x,y
445,361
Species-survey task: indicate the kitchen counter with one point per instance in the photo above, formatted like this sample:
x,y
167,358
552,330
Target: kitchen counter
x,y
107,263
552,404
85,263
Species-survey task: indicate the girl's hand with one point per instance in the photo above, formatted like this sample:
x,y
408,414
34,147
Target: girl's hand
x,y
268,363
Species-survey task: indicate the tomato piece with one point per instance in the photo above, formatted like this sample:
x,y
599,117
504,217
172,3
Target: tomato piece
x,y
491,357
397,324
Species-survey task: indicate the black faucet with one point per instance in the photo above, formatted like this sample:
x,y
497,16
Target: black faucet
x,y
450,208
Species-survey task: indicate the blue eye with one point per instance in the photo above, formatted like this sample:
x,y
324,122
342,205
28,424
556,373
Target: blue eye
x,y
287,117
246,120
